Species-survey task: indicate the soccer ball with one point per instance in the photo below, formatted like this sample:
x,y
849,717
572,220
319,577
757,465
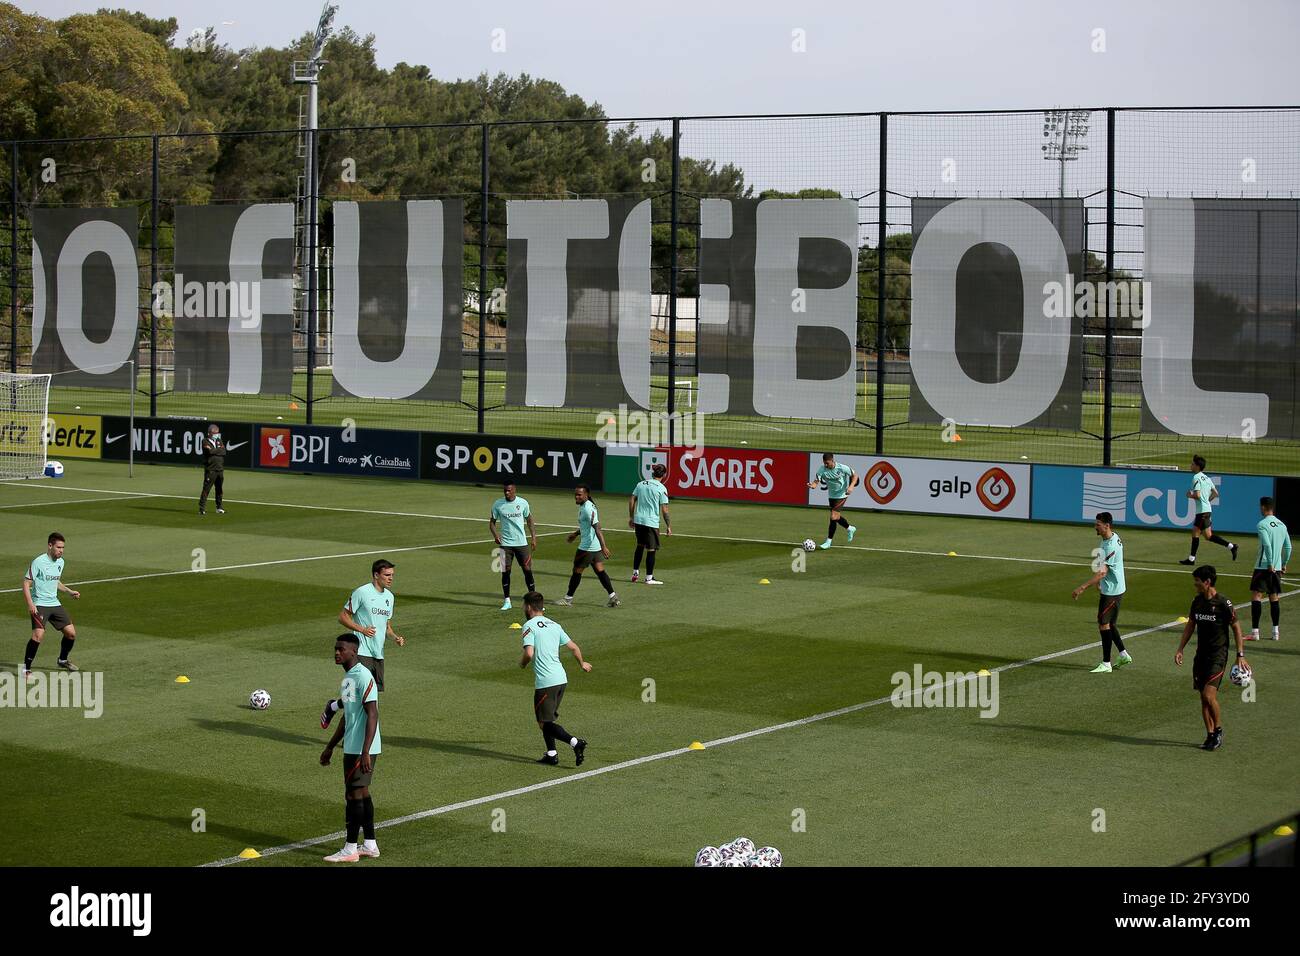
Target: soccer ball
x,y
54,469
742,847
809,544
736,861
708,856
1241,674
768,856
259,700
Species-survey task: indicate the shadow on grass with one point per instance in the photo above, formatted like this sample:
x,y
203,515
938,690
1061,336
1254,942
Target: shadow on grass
x,y
460,749
245,729
1097,735
238,836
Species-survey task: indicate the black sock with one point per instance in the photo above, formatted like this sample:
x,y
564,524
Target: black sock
x,y
368,818
65,647
505,584
32,648
352,816
603,577
1275,612
636,558
843,522
1196,543
1256,609
1105,646
574,580
1114,636
1220,539
528,579
830,531
557,732
548,737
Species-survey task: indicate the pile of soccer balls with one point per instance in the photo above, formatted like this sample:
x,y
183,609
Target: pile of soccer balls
x,y
1241,674
259,700
739,852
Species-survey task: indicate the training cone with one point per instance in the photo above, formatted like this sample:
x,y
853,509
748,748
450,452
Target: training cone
x,y
695,745
293,406
516,626
1182,620
764,581
1283,830
956,437
984,672
952,554
249,854
182,679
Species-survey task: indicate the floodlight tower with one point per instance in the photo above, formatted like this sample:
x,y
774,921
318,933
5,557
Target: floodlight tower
x,y
1065,132
308,71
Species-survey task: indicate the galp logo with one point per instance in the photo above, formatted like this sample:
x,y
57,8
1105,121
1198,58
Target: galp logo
x,y
883,482
995,489
275,448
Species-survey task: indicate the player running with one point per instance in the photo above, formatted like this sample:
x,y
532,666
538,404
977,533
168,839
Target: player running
x,y
1110,582
649,500
1212,616
513,514
840,480
1274,553
359,731
1204,492
592,549
369,615
543,639
41,586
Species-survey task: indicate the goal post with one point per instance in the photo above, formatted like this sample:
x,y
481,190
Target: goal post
x,y
24,409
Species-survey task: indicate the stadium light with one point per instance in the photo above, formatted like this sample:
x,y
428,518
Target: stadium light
x,y
1064,132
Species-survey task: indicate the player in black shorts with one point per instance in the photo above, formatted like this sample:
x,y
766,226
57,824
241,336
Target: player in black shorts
x,y
1213,617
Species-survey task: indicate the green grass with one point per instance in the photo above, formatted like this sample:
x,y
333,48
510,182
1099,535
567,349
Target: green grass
x,y
728,655
900,437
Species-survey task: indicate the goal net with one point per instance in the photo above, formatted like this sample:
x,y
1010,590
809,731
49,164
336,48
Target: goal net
x,y
24,405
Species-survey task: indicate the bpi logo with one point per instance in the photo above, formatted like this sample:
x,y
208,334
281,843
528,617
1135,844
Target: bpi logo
x,y
883,482
275,447
995,489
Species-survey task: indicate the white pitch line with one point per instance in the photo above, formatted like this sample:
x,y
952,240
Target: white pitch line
x,y
704,537
72,501
666,754
264,564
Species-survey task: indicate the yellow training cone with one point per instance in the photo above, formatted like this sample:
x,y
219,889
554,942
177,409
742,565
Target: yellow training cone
x,y
695,745
182,679
1182,620
984,672
249,854
764,581
952,554
515,626
1283,830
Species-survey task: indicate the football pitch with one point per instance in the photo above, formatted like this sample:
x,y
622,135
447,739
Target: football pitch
x,y
786,684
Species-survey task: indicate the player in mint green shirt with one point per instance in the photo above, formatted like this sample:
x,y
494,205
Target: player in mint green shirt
x,y
1274,554
648,502
1203,492
515,519
1109,579
41,586
359,732
592,549
543,639
840,480
369,615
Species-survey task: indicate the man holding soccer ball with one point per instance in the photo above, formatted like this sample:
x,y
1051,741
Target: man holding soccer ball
x,y
1211,616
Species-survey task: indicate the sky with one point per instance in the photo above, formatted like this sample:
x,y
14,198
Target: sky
x,y
669,57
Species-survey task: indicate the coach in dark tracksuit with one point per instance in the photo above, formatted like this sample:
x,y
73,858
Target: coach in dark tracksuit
x,y
214,467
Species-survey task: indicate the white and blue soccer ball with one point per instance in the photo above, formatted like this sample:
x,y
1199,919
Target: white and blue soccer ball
x,y
767,856
1240,674
736,861
708,856
742,847
259,699
54,469
809,544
